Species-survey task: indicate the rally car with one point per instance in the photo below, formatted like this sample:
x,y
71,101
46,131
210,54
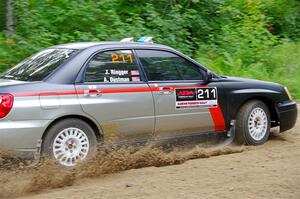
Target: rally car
x,y
64,100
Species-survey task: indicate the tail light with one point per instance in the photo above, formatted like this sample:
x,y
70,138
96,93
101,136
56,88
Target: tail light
x,y
6,104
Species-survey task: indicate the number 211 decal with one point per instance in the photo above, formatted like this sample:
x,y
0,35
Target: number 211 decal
x,y
196,97
206,93
115,58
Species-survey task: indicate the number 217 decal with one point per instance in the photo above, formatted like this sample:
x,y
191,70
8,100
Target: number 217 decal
x,y
196,97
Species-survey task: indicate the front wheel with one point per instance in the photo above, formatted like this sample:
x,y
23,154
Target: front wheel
x,y
253,123
69,141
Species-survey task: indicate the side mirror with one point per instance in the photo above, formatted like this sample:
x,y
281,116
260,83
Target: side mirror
x,y
209,76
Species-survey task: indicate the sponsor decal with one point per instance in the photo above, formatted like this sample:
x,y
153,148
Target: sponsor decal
x,y
185,94
196,97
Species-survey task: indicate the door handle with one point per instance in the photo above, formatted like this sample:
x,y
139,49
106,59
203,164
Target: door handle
x,y
92,93
166,90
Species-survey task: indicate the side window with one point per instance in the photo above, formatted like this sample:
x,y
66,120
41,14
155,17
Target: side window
x,y
113,66
164,66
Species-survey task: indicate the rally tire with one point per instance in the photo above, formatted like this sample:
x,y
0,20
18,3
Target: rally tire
x,y
69,141
253,123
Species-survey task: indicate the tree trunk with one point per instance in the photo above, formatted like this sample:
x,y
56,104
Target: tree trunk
x,y
2,15
10,17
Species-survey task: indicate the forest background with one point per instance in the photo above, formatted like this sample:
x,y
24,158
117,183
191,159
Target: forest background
x,y
248,38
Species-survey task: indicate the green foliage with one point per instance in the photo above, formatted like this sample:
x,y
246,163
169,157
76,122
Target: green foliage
x,y
283,17
280,64
249,38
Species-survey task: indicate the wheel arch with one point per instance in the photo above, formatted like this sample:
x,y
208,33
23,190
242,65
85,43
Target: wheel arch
x,y
96,128
268,102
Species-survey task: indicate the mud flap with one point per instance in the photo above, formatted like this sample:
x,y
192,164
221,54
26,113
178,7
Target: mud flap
x,y
229,137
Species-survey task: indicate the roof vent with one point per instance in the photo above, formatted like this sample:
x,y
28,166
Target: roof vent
x,y
128,39
146,40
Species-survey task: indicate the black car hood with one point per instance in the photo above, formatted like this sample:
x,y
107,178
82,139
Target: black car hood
x,y
248,80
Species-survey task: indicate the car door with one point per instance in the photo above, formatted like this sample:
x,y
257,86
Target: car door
x,y
114,93
184,102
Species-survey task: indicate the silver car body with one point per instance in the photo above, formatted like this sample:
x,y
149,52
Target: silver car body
x,y
132,111
121,112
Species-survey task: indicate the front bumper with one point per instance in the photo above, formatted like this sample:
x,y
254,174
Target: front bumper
x,y
287,115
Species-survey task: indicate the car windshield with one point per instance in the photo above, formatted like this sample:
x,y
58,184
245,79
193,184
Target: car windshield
x,y
38,66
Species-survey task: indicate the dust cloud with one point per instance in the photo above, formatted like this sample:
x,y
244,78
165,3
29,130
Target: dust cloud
x,y
19,177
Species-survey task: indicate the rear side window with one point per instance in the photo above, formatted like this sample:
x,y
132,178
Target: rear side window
x,y
39,66
116,66
166,66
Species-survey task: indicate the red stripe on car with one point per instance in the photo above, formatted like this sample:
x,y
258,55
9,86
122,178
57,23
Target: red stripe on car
x,y
81,92
105,90
47,93
217,116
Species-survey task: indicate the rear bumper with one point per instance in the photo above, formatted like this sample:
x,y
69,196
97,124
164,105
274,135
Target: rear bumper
x,y
22,136
287,115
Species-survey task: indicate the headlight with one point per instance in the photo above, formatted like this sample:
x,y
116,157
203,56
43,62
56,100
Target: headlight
x,y
288,93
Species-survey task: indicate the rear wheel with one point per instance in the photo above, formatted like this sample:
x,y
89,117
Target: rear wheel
x,y
69,141
253,123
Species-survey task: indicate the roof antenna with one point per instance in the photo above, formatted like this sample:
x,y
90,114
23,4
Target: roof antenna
x,y
128,39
